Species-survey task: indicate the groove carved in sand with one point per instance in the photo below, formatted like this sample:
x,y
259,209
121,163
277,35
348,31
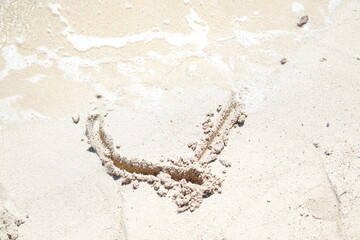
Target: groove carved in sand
x,y
186,181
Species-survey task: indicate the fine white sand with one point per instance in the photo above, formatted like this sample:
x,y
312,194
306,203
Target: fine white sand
x,y
295,163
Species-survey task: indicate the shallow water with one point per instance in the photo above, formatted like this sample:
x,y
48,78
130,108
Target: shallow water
x,y
56,56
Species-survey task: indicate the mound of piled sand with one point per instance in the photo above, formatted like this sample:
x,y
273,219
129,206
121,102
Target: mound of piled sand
x,y
8,222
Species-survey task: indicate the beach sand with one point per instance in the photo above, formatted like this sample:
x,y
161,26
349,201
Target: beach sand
x,y
178,121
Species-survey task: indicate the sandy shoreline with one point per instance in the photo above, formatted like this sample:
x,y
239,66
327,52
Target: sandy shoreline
x,y
295,163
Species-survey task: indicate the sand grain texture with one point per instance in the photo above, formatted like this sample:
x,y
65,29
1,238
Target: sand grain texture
x,y
159,125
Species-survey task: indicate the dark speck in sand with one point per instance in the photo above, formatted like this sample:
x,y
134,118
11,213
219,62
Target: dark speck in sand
x,y
303,20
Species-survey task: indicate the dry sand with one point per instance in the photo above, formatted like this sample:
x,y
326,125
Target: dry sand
x,y
89,130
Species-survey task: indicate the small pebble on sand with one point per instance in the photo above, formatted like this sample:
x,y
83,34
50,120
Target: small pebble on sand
x,y
316,145
283,61
303,20
328,125
323,59
76,118
328,152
